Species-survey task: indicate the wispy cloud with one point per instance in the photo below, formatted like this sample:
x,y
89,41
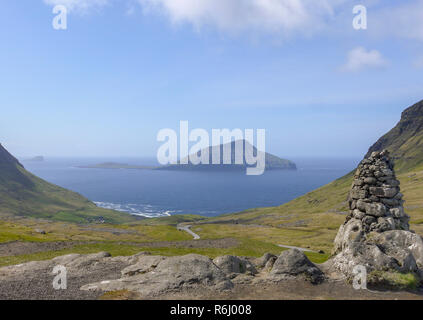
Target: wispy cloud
x,y
359,59
287,16
290,17
80,6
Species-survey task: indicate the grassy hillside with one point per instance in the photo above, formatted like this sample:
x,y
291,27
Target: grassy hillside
x,y
171,220
405,141
23,194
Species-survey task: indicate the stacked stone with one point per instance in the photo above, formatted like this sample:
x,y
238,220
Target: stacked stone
x,y
375,198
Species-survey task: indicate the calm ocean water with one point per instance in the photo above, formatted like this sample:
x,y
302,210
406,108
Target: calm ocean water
x,y
153,193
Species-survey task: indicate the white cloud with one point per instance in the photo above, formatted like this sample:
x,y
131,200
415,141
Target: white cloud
x,y
286,16
359,59
403,19
80,6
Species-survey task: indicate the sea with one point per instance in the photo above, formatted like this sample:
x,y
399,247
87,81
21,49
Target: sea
x,y
157,193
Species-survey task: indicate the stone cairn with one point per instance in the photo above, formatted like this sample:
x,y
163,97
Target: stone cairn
x,y
375,197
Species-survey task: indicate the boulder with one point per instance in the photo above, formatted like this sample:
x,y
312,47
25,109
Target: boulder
x,y
266,261
81,261
170,274
294,262
144,264
360,253
400,243
232,264
270,263
76,265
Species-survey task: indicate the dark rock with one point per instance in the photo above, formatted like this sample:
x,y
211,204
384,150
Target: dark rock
x,y
369,220
370,180
392,183
390,202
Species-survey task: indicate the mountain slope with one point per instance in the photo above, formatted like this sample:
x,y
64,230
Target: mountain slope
x,y
272,162
24,194
405,141
11,176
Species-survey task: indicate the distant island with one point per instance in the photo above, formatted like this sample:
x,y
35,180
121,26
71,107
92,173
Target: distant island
x,y
115,165
36,159
272,162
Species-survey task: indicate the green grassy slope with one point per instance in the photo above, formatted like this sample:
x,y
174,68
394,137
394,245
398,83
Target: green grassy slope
x,y
171,220
23,194
405,141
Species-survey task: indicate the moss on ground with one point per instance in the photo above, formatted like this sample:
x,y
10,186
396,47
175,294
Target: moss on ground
x,y
118,295
393,280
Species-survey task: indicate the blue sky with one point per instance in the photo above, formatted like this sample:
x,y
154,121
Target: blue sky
x,y
124,69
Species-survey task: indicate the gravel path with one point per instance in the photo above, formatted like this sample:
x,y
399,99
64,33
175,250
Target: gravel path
x,y
187,229
299,248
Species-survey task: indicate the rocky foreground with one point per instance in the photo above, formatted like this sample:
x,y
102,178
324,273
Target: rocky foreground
x,y
151,276
143,276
